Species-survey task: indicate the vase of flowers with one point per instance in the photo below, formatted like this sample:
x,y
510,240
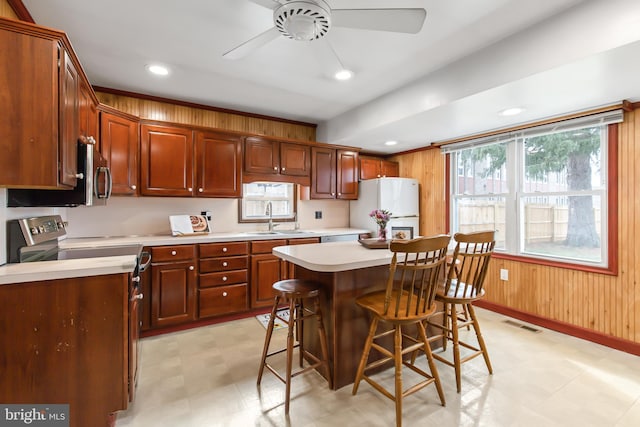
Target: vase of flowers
x,y
381,217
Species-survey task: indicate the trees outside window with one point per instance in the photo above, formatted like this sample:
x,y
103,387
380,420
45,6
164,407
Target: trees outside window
x,y
550,200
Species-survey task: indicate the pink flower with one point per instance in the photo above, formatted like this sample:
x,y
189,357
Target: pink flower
x,y
380,216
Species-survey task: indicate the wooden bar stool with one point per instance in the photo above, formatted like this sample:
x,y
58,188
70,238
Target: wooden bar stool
x,y
295,291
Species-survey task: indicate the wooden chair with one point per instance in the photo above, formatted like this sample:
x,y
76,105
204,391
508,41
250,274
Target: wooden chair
x,y
464,285
295,291
409,299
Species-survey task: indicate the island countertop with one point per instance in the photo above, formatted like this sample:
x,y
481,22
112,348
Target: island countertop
x,y
333,257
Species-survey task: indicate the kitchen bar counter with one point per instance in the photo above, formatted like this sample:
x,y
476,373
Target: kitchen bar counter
x,y
346,270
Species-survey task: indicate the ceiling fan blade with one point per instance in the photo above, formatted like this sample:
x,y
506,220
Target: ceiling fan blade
x,y
396,20
252,44
269,4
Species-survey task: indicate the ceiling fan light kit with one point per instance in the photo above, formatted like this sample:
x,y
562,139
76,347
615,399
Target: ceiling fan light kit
x,y
303,20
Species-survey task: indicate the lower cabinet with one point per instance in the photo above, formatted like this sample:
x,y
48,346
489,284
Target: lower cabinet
x,y
173,285
224,274
67,341
193,282
266,269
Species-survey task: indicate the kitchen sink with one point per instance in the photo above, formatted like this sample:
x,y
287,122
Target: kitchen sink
x,y
276,232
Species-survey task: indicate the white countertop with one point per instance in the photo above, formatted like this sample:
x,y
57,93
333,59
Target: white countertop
x,y
162,240
50,270
333,257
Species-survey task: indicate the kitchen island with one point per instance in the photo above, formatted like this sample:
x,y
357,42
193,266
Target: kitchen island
x,y
346,270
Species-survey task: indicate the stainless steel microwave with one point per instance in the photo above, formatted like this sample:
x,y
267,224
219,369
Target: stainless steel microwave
x,y
93,187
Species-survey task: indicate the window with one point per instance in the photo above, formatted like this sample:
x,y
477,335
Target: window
x,y
258,195
551,200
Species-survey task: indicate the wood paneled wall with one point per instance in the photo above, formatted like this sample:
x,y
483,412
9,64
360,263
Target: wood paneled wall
x,y
163,111
608,306
6,11
428,167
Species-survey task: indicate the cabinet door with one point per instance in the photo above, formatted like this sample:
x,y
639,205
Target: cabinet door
x,y
266,269
29,96
295,159
347,175
369,168
323,173
88,115
173,293
119,146
218,165
261,156
166,161
390,169
69,133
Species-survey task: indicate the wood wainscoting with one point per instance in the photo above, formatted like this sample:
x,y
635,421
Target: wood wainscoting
x,y
593,306
148,108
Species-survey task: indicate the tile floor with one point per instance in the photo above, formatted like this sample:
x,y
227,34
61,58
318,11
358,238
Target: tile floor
x,y
207,377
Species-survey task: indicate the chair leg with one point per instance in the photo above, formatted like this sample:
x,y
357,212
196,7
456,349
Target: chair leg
x,y
431,362
483,347
300,329
267,339
397,356
323,341
456,346
290,339
445,325
365,354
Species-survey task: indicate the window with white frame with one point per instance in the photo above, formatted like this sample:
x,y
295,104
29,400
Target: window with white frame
x,y
257,196
551,201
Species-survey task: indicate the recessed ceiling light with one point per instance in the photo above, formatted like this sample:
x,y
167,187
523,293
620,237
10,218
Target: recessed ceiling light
x,y
391,143
343,75
511,111
158,70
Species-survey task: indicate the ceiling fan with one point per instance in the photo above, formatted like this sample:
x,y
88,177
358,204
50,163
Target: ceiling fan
x,y
308,20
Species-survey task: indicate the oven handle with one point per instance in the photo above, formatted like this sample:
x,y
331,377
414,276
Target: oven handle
x,y
144,265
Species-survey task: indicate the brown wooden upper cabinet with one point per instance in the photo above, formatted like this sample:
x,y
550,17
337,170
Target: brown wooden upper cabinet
x,y
271,160
334,173
119,146
373,167
166,160
178,161
40,94
218,164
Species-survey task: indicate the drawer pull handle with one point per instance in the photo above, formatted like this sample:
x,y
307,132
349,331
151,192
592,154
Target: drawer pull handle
x,y
191,267
224,278
224,264
224,249
224,294
173,252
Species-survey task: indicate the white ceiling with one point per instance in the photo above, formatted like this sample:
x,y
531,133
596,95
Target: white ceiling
x,y
471,60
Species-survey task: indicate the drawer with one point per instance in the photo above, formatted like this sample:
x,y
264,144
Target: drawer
x,y
224,264
265,246
223,300
208,250
172,253
223,278
304,241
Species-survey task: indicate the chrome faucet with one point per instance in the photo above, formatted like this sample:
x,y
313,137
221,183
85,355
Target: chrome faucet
x,y
269,212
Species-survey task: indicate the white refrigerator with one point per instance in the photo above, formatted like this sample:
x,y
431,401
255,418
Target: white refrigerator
x,y
397,195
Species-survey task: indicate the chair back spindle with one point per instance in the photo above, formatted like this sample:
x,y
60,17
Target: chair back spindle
x,y
415,269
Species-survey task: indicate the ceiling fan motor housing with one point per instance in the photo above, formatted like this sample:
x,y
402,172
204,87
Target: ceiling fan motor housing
x,y
303,20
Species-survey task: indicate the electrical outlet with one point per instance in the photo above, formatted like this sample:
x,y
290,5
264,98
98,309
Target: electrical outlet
x,y
318,214
504,274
